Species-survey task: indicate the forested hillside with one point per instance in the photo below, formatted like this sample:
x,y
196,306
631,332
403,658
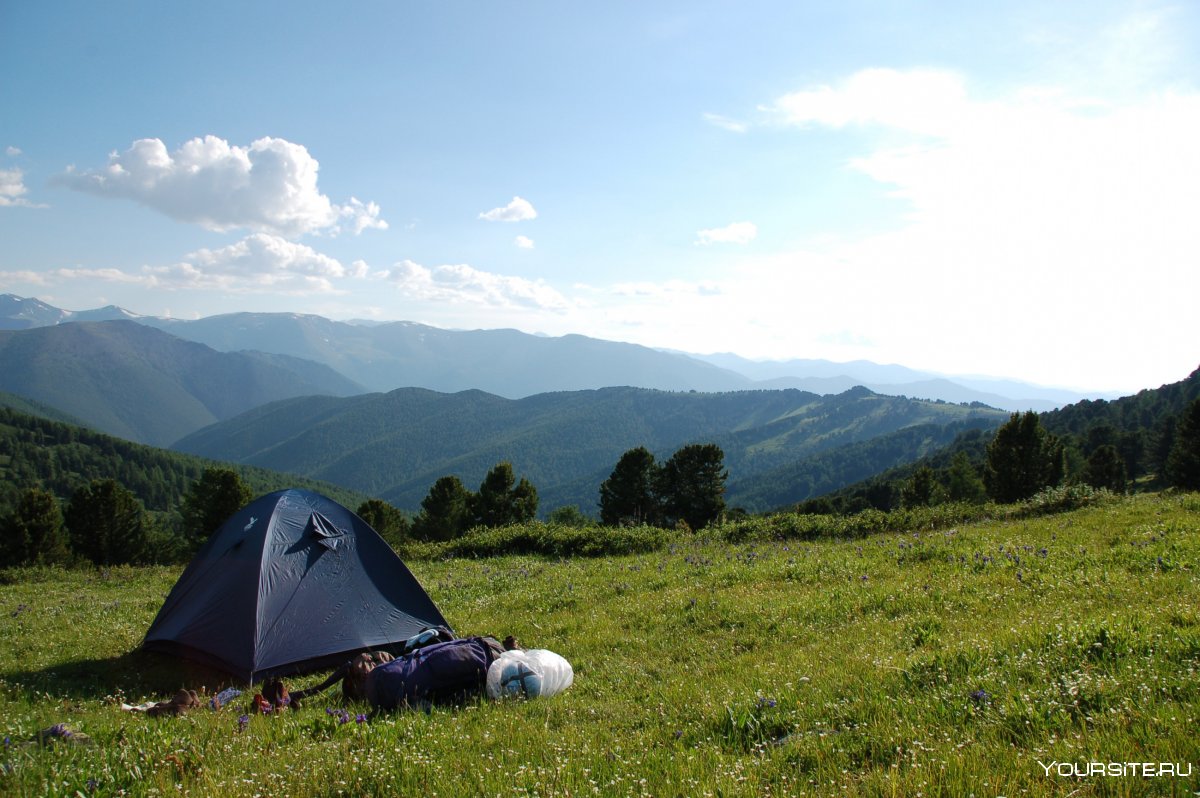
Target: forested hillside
x,y
144,385
1138,432
396,445
61,458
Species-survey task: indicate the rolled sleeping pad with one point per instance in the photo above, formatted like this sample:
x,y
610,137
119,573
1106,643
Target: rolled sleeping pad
x,y
535,673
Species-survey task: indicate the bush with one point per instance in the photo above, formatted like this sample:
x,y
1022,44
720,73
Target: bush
x,y
1062,499
555,540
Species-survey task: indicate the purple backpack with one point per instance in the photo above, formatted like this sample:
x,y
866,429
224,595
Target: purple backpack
x,y
441,672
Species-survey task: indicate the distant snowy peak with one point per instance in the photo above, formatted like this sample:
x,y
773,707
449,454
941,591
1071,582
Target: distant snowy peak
x,y
19,313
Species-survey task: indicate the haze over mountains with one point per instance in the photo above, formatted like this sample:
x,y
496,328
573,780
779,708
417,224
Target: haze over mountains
x,y
388,408
395,445
146,385
512,364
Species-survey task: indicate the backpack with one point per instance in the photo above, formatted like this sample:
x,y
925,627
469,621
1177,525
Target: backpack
x,y
442,672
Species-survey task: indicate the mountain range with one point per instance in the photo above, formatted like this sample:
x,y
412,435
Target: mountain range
x,y
512,364
396,445
144,385
388,408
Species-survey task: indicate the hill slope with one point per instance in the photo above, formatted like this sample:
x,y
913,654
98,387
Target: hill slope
x,y
385,356
504,362
40,453
396,445
140,383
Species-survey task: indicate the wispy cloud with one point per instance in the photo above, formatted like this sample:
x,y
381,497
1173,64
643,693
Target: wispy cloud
x,y
269,186
460,283
259,263
523,242
726,123
736,233
519,210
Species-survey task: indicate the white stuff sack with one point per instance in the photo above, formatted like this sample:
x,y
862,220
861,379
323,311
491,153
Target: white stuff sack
x,y
535,673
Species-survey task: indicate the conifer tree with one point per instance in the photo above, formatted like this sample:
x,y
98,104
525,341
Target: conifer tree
x,y
34,533
445,511
1105,469
1183,462
628,493
216,495
385,519
691,485
1022,459
964,482
502,500
107,523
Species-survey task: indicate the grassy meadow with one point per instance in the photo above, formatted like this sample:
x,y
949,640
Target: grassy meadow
x,y
952,662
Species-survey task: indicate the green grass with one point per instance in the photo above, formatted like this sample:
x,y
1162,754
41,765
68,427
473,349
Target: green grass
x,y
944,662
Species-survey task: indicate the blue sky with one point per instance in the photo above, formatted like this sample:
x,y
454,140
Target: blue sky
x,y
1006,189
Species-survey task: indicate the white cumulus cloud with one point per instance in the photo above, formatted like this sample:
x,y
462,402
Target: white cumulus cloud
x,y
269,186
736,233
460,283
523,242
519,210
259,262
13,189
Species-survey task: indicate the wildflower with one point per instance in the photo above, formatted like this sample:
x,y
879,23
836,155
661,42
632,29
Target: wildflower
x,y
360,718
980,696
91,785
678,733
243,722
60,730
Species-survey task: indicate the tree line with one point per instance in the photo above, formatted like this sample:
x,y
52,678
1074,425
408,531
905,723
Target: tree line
x,y
105,522
1024,457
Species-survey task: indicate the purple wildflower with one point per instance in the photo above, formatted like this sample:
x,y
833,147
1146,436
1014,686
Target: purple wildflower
x,y
243,722
360,718
980,696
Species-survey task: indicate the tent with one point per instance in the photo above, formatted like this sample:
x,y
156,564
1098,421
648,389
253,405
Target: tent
x,y
292,582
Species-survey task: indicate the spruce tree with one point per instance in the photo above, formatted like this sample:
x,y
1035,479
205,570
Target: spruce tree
x,y
1105,469
964,482
385,519
1183,462
216,495
1022,459
691,485
627,496
107,523
502,500
34,533
922,489
445,511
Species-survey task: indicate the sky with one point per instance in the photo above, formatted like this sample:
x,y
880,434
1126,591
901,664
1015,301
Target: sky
x,y
1003,189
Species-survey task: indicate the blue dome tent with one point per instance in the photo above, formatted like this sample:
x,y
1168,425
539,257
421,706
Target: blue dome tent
x,y
292,582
